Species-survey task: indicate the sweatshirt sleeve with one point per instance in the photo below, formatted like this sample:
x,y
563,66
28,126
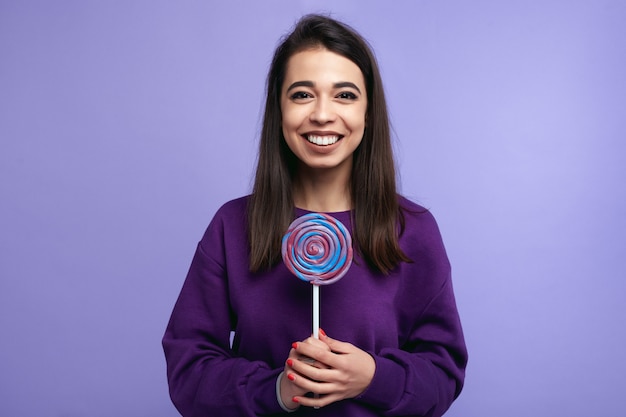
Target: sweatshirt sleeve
x,y
205,376
426,373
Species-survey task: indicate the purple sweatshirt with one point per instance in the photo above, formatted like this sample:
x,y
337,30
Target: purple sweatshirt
x,y
407,321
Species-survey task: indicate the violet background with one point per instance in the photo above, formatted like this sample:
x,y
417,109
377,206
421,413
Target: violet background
x,y
125,124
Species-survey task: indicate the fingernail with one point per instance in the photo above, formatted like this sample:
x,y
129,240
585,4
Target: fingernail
x,y
294,345
290,362
295,400
291,377
322,332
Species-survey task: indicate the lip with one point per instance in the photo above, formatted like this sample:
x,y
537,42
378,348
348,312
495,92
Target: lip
x,y
321,133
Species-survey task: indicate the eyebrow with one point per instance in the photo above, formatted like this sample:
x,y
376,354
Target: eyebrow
x,y
311,84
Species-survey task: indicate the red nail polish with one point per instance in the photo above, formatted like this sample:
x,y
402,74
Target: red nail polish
x,y
294,345
322,332
295,400
289,362
291,377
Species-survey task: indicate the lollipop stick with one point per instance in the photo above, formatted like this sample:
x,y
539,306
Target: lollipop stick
x,y
316,318
316,311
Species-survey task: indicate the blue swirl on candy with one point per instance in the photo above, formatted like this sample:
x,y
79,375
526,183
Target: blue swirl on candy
x,y
317,248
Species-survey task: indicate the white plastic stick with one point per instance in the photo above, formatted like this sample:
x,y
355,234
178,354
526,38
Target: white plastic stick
x,y
316,318
316,311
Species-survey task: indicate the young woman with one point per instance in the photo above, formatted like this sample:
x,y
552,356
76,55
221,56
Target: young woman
x,y
392,343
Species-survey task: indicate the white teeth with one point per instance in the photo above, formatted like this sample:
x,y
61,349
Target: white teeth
x,y
322,140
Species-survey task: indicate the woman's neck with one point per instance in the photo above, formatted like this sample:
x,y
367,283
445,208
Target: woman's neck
x,y
322,190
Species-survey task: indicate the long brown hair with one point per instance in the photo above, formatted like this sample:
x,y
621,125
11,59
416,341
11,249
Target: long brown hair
x,y
377,216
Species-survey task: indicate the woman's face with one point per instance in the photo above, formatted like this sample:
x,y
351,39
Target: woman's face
x,y
323,104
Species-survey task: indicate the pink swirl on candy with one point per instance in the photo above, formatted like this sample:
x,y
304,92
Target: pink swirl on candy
x,y
317,248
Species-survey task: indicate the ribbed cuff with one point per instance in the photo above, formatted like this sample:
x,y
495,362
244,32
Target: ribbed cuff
x,y
278,397
387,385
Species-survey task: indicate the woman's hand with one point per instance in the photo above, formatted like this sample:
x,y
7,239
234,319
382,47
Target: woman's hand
x,y
340,370
289,390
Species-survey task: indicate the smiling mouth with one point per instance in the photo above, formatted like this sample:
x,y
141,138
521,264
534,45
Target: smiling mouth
x,y
323,140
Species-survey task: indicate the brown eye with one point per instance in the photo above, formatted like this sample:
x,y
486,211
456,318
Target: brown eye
x,y
347,96
300,95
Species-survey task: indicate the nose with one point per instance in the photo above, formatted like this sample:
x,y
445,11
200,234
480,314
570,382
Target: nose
x,y
322,111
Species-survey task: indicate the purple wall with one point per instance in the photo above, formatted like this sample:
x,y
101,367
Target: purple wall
x,y
124,125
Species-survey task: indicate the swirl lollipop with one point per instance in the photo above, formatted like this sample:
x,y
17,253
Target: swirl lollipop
x,y
317,248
